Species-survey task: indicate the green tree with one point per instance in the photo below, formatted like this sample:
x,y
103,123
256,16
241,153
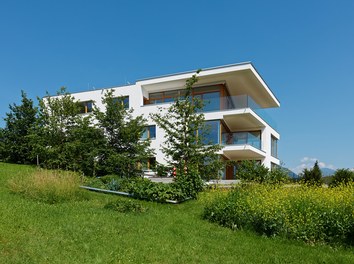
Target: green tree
x,y
19,122
84,146
342,176
124,149
185,146
312,177
61,135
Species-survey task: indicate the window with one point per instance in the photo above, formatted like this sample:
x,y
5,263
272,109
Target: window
x,y
149,132
274,147
86,107
123,100
149,164
211,133
209,94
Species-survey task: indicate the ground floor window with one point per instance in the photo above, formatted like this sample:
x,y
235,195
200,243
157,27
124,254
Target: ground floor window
x,y
149,164
149,132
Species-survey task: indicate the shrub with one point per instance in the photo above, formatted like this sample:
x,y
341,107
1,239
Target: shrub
x,y
342,176
251,171
142,188
277,176
303,213
162,170
49,186
126,206
156,191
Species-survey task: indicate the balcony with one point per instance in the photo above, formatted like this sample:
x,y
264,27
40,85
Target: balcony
x,y
242,138
242,145
214,102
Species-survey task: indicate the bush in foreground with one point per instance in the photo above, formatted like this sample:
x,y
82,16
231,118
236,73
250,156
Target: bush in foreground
x,y
49,186
141,188
302,213
342,176
252,171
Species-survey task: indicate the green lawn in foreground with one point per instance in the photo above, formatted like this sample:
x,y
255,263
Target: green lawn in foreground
x,y
85,232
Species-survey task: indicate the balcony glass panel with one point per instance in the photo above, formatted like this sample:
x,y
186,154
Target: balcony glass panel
x,y
242,138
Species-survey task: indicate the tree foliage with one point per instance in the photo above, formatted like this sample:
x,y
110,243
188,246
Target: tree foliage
x,y
19,121
342,177
124,148
57,117
251,171
184,146
312,177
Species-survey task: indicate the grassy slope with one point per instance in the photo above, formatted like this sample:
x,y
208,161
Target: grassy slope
x,y
84,232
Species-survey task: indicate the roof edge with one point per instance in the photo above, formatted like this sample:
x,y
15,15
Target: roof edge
x,y
191,71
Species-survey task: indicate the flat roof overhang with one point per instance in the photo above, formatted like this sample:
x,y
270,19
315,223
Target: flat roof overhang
x,y
241,152
242,119
240,79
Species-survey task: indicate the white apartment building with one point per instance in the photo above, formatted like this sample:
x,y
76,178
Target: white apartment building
x,y
235,99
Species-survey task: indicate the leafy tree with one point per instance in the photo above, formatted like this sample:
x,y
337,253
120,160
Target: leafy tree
x,y
84,146
124,149
312,177
15,137
342,176
185,147
57,116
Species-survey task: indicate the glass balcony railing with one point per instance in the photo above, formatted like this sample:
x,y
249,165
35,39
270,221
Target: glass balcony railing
x,y
214,102
242,138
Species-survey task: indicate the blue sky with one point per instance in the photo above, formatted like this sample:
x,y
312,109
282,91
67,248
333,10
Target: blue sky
x,y
303,49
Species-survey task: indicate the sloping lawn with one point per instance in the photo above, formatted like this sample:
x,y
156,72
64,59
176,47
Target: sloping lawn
x,y
85,232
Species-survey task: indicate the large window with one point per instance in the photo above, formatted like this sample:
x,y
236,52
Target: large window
x,y
149,132
86,107
123,100
211,133
274,147
211,96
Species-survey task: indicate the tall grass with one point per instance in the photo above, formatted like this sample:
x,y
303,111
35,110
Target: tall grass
x,y
302,213
48,186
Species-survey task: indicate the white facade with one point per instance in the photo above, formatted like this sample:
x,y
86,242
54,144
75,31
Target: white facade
x,y
234,96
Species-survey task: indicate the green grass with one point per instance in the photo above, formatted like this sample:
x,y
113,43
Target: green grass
x,y
32,231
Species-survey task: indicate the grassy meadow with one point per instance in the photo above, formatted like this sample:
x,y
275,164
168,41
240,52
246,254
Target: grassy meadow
x,y
81,230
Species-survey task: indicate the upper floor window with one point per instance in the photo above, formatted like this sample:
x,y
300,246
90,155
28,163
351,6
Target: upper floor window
x,y
209,94
123,100
274,147
86,107
149,132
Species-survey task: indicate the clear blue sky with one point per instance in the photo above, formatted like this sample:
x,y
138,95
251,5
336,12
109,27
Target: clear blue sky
x,y
303,49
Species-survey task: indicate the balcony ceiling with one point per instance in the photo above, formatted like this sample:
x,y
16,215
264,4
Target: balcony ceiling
x,y
242,152
242,121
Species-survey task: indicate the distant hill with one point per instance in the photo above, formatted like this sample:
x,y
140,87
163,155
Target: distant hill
x,y
290,173
327,172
